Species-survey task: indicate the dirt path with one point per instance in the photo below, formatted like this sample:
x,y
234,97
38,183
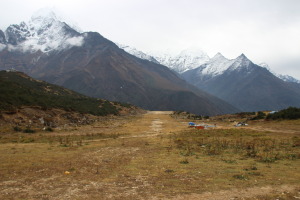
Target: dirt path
x,y
151,124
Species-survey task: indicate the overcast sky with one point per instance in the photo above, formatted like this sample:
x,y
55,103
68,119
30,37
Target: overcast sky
x,y
264,30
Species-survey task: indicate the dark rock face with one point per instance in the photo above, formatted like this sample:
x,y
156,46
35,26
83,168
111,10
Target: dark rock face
x,y
2,38
17,33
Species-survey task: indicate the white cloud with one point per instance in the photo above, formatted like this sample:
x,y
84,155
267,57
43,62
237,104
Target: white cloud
x,y
75,41
2,46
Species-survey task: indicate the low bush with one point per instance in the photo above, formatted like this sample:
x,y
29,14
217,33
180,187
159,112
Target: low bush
x,y
260,115
17,129
28,130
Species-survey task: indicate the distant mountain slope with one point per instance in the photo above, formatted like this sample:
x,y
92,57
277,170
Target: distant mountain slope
x,y
245,85
18,89
137,53
286,78
92,65
185,60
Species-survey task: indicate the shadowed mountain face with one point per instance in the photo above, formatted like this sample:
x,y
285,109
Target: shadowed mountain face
x,y
92,65
245,85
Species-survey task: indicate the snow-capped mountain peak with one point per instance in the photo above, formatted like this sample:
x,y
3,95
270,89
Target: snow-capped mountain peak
x,y
216,66
242,59
43,19
219,65
242,56
187,59
240,62
218,56
44,32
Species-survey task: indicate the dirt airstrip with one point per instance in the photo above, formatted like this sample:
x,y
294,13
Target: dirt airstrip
x,y
133,158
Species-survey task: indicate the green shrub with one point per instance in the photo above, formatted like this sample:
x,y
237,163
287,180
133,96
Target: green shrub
x,y
289,113
260,115
185,161
17,129
49,129
240,177
28,130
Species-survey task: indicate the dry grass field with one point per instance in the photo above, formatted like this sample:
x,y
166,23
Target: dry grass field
x,y
153,156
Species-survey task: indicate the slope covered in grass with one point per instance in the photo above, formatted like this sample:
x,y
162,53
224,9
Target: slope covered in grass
x,y
18,89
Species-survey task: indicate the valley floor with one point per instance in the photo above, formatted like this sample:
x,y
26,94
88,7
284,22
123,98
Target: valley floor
x,y
153,156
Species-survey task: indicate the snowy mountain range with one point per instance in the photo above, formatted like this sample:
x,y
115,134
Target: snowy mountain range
x,y
187,59
217,66
244,84
192,58
49,49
